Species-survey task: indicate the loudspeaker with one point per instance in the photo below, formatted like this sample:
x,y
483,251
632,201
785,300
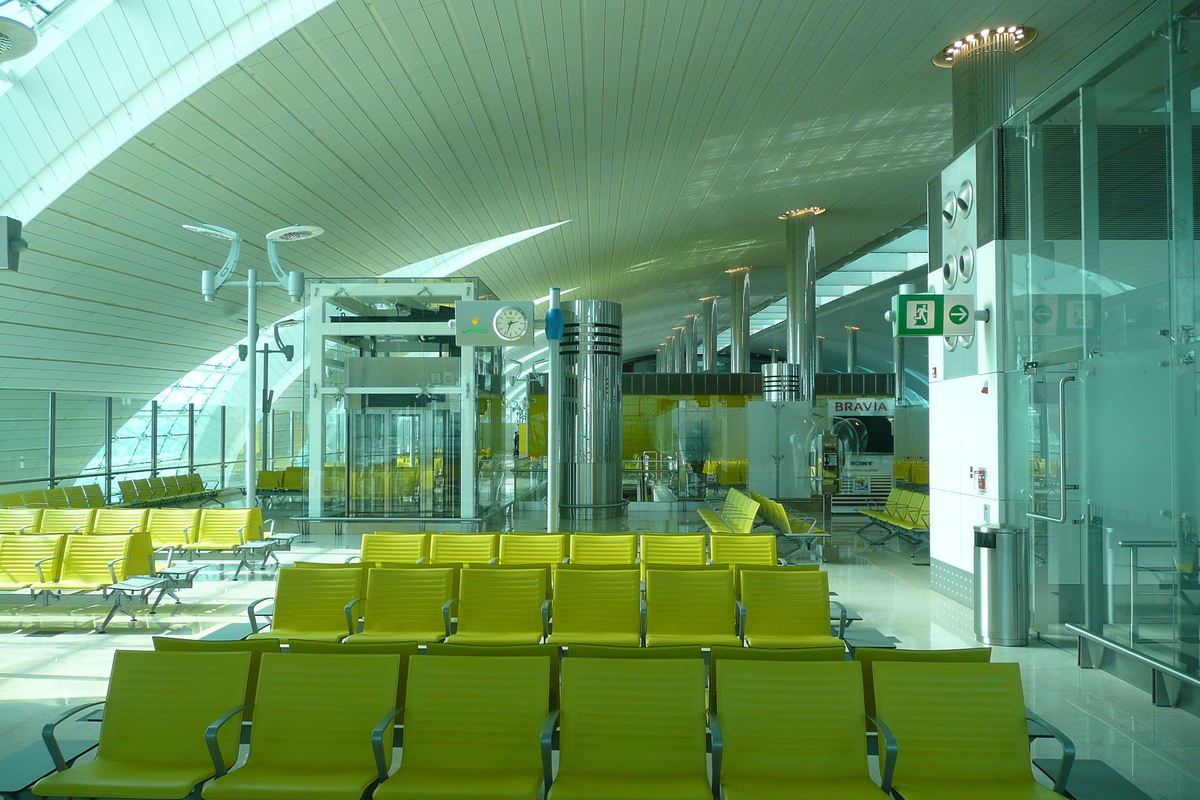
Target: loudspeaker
x,y
14,244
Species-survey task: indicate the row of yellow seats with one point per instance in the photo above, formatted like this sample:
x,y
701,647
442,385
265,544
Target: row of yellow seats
x,y
682,549
736,515
484,727
292,479
778,606
71,563
911,471
174,488
727,472
903,509
778,518
86,496
181,528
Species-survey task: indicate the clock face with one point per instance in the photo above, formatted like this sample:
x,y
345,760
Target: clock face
x,y
510,323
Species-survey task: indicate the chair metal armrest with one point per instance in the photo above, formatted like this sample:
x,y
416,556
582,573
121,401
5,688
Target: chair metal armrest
x,y
112,569
718,749
493,560
351,617
446,614
423,560
210,738
381,763
270,528
242,534
841,618
353,560
56,755
545,618
37,565
642,614
25,528
187,533
252,613
79,528
548,748
1068,748
891,750
740,628
566,560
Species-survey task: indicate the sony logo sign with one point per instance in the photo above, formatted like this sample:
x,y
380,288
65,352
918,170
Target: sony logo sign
x,y
862,407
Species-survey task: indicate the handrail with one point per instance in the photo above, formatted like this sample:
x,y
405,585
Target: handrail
x,y
1149,661
1062,456
115,472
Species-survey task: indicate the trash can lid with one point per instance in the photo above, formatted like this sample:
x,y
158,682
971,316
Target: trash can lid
x,y
996,528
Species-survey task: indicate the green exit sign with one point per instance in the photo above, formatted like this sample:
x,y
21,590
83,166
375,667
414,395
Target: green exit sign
x,y
935,315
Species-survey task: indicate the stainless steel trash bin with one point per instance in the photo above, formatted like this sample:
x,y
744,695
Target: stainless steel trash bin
x,y
1002,585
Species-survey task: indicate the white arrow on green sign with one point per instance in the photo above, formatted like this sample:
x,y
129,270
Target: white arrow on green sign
x,y
959,314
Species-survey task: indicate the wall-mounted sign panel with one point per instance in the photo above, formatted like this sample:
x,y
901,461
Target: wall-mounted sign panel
x,y
493,323
935,315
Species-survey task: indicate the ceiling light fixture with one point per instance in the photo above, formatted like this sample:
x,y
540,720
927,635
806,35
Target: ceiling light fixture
x,y
1021,36
795,212
16,40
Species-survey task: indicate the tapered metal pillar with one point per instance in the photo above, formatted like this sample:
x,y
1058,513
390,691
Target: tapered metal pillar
x,y
851,348
739,310
670,354
689,342
819,359
708,323
982,79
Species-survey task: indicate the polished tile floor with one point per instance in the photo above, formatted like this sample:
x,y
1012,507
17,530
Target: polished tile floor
x,y
51,658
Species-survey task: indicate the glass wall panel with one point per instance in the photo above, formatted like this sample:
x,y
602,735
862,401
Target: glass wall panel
x,y
24,434
79,435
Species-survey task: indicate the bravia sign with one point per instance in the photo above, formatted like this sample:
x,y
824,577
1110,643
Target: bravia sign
x,y
861,407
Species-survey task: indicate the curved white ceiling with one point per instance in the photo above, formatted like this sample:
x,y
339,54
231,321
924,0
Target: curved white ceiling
x,y
672,134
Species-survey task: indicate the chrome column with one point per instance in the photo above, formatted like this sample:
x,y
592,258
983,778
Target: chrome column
x,y
689,342
851,348
708,319
982,79
739,310
591,410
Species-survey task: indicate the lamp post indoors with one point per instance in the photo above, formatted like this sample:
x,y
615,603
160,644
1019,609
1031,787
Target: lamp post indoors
x,y
293,282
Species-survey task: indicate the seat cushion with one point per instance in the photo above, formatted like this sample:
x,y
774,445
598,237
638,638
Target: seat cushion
x,y
284,635
458,784
653,639
624,639
496,638
756,788
976,790
264,783
793,641
590,786
405,636
107,778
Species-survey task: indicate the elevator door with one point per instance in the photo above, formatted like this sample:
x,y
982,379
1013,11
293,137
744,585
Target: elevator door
x,y
397,462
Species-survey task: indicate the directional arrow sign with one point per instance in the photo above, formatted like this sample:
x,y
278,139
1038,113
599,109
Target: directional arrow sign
x,y
935,315
959,314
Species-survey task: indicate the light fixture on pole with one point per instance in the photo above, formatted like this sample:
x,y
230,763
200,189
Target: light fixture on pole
x,y
211,282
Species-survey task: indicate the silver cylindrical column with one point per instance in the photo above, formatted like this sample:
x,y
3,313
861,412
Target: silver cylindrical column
x,y
591,410
659,360
739,312
669,354
851,348
679,360
708,321
689,342
819,361
801,265
982,84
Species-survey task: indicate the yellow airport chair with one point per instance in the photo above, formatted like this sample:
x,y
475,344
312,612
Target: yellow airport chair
x,y
20,520
355,612
869,656
158,485
255,647
223,529
394,548
621,651
34,499
294,479
406,650
788,608
502,606
597,606
11,500
26,560
314,721
57,498
129,493
721,652
144,751
309,604
408,605
695,607
962,731
533,548
66,520
95,495
172,527
792,730
632,728
737,550
76,497
464,548
547,651
269,481
120,520
483,715
604,548
89,563
673,549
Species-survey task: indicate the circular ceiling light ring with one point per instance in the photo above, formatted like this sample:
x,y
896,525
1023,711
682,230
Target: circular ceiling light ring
x,y
16,40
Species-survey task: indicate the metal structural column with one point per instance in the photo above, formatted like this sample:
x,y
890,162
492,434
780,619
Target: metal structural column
x,y
554,331
108,448
689,342
251,383
982,79
795,378
51,435
708,319
851,349
739,311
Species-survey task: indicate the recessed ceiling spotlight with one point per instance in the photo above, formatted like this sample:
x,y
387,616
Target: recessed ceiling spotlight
x,y
795,212
738,269
16,40
1021,36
